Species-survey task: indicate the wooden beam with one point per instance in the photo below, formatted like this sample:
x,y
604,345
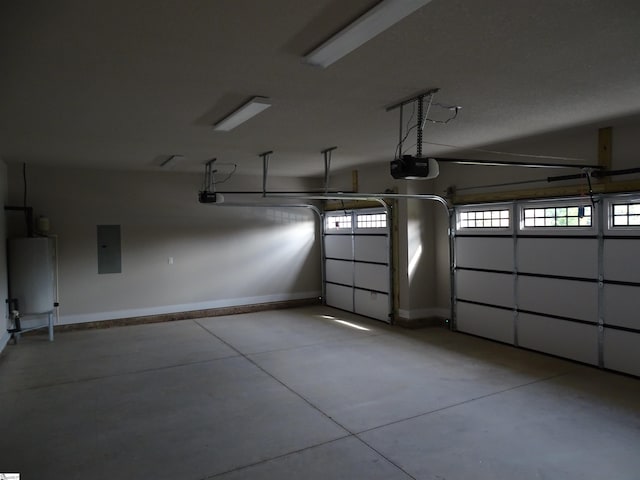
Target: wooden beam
x,y
354,181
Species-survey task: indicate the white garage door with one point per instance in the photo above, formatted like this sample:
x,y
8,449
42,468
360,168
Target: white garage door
x,y
357,267
557,276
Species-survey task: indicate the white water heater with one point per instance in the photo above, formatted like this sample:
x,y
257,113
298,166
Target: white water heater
x,y
31,263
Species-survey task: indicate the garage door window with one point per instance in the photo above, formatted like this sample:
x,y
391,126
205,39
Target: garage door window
x,y
626,214
372,220
342,222
558,216
483,219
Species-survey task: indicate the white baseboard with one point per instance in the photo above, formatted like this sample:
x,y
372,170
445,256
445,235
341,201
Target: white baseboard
x,y
424,313
185,307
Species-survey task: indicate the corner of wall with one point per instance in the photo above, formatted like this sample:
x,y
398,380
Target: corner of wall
x,y
4,335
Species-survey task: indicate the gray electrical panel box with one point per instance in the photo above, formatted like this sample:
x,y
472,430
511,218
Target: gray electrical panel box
x,y
109,254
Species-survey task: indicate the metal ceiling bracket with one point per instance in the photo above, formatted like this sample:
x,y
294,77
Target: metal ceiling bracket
x,y
265,170
209,173
421,118
327,166
426,93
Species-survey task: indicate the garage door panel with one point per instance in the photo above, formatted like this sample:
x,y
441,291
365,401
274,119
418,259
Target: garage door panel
x,y
621,260
339,297
338,246
339,271
621,305
485,287
558,337
485,252
570,257
621,351
371,276
564,298
489,322
565,279
371,248
357,263
372,304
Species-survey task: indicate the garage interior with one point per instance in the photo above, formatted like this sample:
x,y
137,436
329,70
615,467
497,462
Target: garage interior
x,y
416,259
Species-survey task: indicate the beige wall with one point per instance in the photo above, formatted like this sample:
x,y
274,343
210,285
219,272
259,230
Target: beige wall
x,y
424,253
222,256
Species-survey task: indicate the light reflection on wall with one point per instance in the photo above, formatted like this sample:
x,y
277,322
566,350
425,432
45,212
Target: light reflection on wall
x,y
414,247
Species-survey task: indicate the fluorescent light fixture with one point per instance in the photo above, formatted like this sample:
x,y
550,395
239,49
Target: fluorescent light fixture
x,y
375,21
242,114
172,161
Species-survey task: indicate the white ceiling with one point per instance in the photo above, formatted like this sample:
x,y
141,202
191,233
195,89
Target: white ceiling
x,y
123,84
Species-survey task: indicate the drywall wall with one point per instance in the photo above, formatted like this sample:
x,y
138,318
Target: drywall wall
x,y
177,255
423,253
4,294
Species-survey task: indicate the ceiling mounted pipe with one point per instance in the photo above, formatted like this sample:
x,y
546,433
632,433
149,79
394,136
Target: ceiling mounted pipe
x,y
499,163
376,197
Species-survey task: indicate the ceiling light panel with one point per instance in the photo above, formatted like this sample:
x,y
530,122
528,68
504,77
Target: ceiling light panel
x,y
249,110
375,21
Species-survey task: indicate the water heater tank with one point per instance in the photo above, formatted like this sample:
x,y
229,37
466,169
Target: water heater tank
x,y
31,274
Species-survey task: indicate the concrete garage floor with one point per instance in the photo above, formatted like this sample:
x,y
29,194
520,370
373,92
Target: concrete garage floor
x,y
294,394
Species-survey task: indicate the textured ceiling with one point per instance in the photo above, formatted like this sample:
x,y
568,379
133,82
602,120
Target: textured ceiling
x,y
122,84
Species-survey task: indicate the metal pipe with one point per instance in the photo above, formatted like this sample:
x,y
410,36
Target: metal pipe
x,y
377,197
506,184
28,216
498,163
560,178
611,173
289,192
315,209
